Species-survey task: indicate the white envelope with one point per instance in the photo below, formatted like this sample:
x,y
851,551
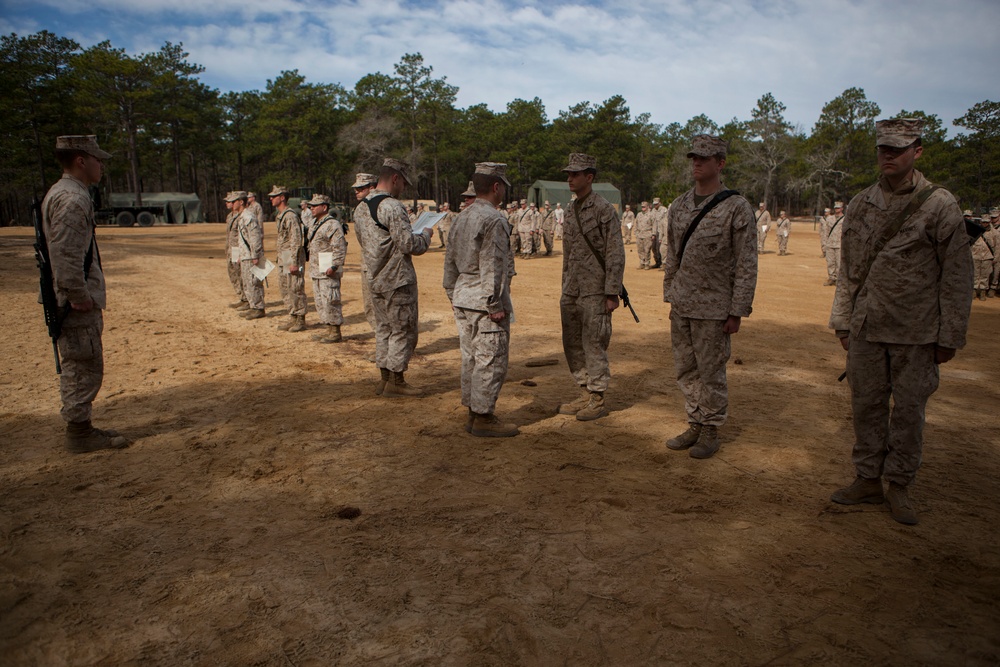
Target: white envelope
x,y
262,273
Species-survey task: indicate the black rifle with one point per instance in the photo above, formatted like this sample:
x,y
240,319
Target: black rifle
x,y
627,303
54,315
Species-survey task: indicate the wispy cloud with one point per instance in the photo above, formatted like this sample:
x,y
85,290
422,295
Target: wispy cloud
x,y
671,58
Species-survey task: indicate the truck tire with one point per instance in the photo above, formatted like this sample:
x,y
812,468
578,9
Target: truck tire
x,y
125,219
145,219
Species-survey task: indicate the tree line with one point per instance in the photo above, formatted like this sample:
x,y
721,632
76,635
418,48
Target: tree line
x,y
171,132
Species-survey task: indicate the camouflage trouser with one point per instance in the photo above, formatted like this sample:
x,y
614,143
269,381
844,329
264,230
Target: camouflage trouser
x,y
326,296
782,244
832,263
547,240
366,298
235,278
558,232
995,276
701,350
586,334
626,234
396,319
889,442
654,244
983,268
293,292
527,242
82,355
643,245
761,239
253,289
485,346
442,235
515,243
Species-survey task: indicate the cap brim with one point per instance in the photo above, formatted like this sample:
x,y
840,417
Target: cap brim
x,y
99,154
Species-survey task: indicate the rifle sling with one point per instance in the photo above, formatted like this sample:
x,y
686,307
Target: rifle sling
x,y
912,207
373,209
716,200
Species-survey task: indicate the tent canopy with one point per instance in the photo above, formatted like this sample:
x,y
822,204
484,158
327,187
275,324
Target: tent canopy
x,y
175,207
557,192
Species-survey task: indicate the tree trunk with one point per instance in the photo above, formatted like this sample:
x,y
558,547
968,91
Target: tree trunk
x,y
177,155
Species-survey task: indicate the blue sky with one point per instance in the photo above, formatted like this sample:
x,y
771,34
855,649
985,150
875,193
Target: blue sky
x,y
672,59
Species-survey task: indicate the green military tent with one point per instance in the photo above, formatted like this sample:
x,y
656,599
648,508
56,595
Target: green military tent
x,y
168,207
557,192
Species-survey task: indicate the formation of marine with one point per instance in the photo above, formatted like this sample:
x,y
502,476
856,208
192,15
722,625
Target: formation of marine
x,y
899,255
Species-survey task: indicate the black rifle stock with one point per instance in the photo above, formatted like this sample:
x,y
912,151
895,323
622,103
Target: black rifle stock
x,y
54,316
627,303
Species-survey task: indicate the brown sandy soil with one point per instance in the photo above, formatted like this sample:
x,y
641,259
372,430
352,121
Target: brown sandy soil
x,y
216,539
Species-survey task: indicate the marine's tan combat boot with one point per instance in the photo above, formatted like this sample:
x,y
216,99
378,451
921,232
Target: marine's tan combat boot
x,y
332,334
575,406
397,386
298,323
287,324
829,282
708,443
242,307
488,426
899,505
82,437
990,293
239,304
685,439
254,314
383,381
595,408
861,490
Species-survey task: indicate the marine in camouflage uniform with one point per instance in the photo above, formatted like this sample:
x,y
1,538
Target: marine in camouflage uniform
x,y
982,263
830,233
255,209
560,216
478,268
784,229
327,235
763,220
363,184
628,222
710,286
70,226
993,238
444,225
644,235
547,228
291,260
593,264
251,245
233,257
910,315
659,214
387,249
526,226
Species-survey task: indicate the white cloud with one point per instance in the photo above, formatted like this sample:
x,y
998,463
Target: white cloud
x,y
671,58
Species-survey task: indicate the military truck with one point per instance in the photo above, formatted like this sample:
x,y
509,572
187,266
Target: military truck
x,y
123,209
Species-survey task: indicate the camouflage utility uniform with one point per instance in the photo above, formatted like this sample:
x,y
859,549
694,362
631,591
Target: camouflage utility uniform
x,y
251,244
291,253
715,279
327,235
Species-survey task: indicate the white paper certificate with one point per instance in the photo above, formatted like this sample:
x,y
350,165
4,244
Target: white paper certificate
x,y
427,220
261,273
325,261
234,254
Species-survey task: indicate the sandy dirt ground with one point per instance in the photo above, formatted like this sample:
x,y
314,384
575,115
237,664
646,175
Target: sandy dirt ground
x,y
219,537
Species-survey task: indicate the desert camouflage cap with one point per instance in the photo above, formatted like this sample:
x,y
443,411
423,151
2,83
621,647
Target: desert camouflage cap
x,y
967,212
471,191
319,200
706,145
236,194
364,180
278,190
762,205
251,194
644,204
580,162
523,202
656,200
826,210
547,202
995,212
498,169
401,167
898,132
81,142
838,204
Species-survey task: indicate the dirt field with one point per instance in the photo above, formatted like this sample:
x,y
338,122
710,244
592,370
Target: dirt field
x,y
217,537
